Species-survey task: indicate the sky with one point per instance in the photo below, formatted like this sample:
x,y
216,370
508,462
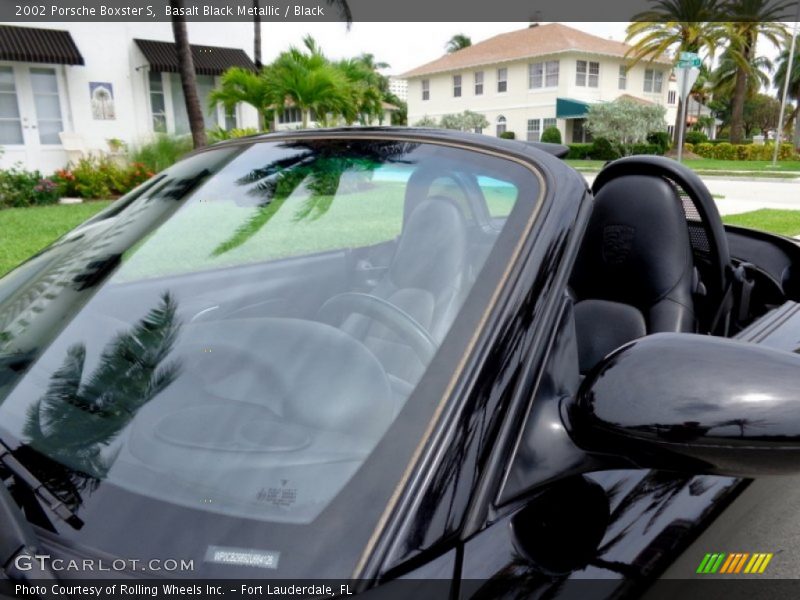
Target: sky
x,y
402,45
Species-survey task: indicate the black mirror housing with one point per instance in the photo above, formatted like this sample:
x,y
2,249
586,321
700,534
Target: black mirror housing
x,y
692,403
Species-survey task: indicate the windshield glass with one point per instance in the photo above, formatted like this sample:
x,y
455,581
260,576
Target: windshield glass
x,y
234,355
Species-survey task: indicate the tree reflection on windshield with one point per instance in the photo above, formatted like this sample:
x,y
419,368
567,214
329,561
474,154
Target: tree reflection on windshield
x,y
77,419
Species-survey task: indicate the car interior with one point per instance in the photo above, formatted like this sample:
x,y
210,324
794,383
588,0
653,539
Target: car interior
x,y
655,257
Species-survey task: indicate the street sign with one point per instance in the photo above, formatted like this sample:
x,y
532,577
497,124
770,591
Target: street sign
x,y
685,79
688,60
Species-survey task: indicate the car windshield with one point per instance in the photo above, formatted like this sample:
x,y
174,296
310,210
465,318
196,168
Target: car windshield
x,y
245,352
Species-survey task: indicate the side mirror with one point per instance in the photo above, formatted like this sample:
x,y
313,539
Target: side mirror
x,y
692,403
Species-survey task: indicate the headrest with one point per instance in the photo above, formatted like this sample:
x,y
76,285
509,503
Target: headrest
x,y
636,247
602,326
432,247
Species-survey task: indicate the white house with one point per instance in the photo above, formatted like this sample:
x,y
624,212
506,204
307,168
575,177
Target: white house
x,y
527,80
68,88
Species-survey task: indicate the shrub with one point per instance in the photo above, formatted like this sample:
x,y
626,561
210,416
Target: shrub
x,y
93,178
162,152
695,137
644,149
219,134
603,149
508,135
580,151
551,135
689,148
19,188
725,151
660,139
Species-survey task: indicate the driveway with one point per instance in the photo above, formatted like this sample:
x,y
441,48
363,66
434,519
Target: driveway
x,y
739,194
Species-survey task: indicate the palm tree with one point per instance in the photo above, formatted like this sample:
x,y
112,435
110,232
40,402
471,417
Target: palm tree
x,y
257,36
794,88
308,81
188,75
458,42
242,85
672,27
749,20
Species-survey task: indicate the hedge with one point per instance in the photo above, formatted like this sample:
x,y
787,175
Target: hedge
x,y
602,149
728,151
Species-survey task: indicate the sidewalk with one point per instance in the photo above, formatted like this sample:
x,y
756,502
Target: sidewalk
x,y
737,195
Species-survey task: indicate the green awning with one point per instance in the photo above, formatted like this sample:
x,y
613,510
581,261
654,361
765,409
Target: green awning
x,y
570,109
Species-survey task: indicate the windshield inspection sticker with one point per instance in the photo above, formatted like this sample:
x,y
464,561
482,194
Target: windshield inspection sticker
x,y
245,557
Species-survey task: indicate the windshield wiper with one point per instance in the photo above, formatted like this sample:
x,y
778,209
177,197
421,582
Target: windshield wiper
x,y
17,538
39,490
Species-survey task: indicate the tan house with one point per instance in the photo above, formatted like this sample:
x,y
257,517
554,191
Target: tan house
x,y
525,81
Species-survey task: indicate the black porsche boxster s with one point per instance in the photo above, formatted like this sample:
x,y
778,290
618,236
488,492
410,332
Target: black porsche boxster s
x,y
379,355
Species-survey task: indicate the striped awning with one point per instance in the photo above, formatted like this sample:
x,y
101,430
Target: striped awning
x,y
208,60
29,44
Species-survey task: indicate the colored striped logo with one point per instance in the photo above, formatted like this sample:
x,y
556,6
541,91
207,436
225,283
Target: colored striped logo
x,y
735,563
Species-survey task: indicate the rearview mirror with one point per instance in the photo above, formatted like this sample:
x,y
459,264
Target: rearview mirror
x,y
693,403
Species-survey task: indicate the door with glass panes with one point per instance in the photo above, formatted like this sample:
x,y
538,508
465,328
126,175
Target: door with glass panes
x,y
31,114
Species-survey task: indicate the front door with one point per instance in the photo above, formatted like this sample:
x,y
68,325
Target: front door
x,y
31,117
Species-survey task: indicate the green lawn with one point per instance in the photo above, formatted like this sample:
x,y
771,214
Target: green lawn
x,y
25,231
783,222
712,166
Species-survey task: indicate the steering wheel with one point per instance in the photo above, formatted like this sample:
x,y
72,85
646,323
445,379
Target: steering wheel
x,y
395,319
686,180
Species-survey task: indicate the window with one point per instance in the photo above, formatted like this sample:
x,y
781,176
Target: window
x,y
456,86
426,89
230,118
623,77
671,97
543,74
294,115
534,130
549,123
157,103
551,73
587,74
48,105
502,80
535,75
479,83
653,81
501,125
10,122
205,83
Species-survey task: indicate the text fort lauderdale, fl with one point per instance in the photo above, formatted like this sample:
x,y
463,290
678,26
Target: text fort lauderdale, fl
x,y
245,11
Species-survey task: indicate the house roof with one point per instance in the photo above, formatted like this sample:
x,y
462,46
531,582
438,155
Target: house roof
x,y
524,43
31,44
208,60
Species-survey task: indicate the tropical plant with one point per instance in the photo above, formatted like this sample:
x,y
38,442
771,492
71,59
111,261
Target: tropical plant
x,y
162,152
672,27
458,42
749,21
242,85
188,74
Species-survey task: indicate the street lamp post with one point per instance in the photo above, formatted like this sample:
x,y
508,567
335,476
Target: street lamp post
x,y
786,79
